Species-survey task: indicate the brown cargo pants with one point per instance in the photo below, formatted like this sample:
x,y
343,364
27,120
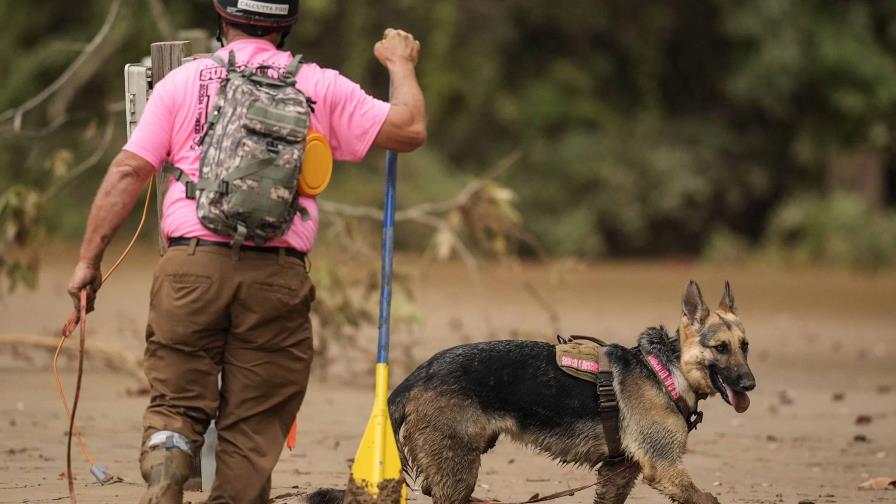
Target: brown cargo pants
x,y
246,316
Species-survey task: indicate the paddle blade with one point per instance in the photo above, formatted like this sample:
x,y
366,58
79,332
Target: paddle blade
x,y
376,471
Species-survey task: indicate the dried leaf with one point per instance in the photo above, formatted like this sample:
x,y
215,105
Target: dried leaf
x,y
443,244
878,484
61,163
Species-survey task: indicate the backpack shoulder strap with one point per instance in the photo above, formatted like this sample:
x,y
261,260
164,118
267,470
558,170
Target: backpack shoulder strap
x,y
230,64
293,68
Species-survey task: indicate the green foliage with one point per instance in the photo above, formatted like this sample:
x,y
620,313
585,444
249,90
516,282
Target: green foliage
x,y
838,229
645,129
20,212
644,188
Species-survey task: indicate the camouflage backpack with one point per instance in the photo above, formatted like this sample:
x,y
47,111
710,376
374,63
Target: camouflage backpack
x,y
252,153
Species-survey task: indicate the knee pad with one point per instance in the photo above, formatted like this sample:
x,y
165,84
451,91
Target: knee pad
x,y
169,440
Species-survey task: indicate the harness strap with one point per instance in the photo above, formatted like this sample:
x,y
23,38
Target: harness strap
x,y
608,409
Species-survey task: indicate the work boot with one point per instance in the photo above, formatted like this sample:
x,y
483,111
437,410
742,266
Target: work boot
x,y
165,470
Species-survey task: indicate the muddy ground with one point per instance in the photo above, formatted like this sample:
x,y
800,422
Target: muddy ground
x,y
822,343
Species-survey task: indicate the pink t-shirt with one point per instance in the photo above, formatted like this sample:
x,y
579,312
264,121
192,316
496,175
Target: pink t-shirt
x,y
175,118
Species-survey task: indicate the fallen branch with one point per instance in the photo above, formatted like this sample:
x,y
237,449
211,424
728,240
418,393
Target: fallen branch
x,y
112,359
429,214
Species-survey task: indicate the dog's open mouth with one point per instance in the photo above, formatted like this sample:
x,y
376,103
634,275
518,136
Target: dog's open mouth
x,y
738,399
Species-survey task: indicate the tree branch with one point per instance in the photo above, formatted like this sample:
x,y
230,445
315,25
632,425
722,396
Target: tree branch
x,y
162,19
17,112
85,165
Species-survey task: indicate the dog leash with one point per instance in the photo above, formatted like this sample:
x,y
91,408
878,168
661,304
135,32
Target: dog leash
x,y
76,318
563,493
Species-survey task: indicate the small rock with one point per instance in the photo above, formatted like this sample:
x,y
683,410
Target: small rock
x,y
807,501
771,438
716,483
860,438
864,419
838,396
884,389
881,454
785,398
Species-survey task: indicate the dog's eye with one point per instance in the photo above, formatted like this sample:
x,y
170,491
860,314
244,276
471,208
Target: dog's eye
x,y
721,348
745,347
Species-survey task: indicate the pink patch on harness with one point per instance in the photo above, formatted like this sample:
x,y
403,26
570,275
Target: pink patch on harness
x,y
665,375
580,364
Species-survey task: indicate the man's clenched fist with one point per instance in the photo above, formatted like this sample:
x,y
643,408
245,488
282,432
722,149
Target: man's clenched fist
x,y
397,47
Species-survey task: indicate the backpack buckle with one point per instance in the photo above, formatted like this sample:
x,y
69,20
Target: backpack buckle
x,y
272,147
190,187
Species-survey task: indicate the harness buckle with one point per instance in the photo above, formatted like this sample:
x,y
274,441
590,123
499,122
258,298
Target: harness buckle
x,y
695,420
605,392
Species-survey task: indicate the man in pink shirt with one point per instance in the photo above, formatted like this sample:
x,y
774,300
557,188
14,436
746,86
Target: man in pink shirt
x,y
243,313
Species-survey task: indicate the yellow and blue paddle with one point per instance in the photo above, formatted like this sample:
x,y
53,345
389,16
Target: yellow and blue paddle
x,y
376,471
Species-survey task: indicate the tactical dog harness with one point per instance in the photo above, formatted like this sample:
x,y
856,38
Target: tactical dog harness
x,y
586,358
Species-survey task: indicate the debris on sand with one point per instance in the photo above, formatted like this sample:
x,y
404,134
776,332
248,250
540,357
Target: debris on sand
x,y
860,438
838,396
785,398
864,419
878,484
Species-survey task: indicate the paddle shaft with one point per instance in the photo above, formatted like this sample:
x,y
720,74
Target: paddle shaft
x,y
382,354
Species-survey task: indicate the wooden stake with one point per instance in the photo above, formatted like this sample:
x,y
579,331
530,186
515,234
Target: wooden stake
x,y
165,57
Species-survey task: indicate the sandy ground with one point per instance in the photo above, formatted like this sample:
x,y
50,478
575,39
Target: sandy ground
x,y
823,346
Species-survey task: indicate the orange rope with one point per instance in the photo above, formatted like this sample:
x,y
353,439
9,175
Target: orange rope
x,y
76,317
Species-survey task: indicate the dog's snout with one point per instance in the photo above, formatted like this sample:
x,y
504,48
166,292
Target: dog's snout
x,y
747,383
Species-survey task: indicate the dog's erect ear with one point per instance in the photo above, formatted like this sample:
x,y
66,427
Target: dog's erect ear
x,y
693,307
727,302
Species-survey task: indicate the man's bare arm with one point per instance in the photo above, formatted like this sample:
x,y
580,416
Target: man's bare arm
x,y
405,127
118,193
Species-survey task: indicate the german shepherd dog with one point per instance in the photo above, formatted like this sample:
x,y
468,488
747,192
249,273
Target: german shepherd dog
x,y
454,407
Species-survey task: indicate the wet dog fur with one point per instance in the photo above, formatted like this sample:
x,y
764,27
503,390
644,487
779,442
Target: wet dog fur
x,y
455,406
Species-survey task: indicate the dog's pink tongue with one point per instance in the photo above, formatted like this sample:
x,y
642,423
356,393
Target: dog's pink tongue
x,y
740,400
